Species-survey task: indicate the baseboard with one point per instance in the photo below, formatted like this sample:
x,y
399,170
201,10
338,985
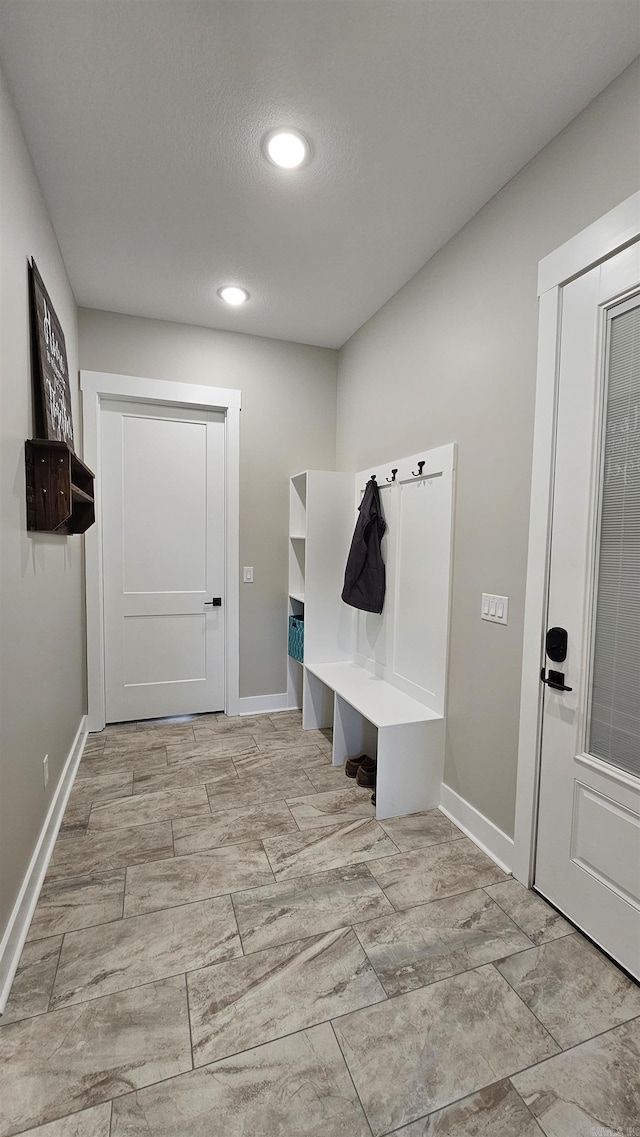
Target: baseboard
x,y
263,704
478,828
23,909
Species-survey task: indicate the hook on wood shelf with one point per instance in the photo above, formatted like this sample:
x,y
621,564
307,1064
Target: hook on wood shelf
x,y
418,473
393,475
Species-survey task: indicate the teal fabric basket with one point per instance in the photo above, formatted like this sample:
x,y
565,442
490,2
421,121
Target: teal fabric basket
x,y
296,638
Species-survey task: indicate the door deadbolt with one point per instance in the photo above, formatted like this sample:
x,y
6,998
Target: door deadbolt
x,y
556,644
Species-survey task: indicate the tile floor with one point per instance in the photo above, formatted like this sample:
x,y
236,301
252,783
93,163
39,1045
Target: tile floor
x,y
228,944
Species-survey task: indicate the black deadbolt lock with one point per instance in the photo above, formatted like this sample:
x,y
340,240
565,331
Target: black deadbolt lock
x,y
556,644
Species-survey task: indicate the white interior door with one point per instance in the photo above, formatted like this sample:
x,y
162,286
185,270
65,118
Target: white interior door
x,y
163,493
588,851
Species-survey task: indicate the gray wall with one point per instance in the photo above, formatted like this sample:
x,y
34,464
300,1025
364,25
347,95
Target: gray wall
x,y
41,580
452,357
288,423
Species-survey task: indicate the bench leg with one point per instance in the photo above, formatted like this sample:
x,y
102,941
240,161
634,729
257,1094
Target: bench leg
x,y
410,766
352,733
317,703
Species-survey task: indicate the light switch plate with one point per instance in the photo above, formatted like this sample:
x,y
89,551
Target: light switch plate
x,y
247,574
494,608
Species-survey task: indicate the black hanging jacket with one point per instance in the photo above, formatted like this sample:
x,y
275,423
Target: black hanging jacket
x,y
364,578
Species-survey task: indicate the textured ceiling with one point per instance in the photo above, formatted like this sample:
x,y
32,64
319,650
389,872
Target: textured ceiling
x,y
144,120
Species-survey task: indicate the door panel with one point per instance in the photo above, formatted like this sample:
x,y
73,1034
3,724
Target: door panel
x,y
162,481
588,851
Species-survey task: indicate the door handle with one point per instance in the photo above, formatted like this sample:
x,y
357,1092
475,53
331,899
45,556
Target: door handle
x,y
215,603
555,680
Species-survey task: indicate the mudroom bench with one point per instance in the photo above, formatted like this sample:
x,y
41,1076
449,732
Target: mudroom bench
x,y
370,715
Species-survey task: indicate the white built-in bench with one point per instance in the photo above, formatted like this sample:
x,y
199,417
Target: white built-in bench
x,y
378,680
371,716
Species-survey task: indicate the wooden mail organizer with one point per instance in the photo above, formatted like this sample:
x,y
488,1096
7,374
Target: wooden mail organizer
x,y
371,716
380,680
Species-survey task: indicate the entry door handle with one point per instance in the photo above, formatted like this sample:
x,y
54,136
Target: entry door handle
x,y
215,603
555,680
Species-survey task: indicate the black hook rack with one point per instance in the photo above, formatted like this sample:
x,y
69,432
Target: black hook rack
x,y
393,476
418,473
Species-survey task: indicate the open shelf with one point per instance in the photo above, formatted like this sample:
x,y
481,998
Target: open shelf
x,y
59,488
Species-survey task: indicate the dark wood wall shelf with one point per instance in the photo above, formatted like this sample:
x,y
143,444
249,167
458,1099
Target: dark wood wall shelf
x,y
59,488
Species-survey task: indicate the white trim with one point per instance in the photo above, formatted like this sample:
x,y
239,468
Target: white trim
x,y
263,704
20,919
478,828
606,237
95,386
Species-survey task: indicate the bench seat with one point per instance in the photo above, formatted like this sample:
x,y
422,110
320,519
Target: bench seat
x,y
370,715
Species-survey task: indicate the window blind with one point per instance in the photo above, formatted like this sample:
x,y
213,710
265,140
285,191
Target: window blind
x,y
614,733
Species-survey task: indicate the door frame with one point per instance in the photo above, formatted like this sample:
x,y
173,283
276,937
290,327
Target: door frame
x,y
609,235
96,387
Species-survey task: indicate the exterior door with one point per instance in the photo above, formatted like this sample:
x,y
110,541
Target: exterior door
x,y
588,850
162,484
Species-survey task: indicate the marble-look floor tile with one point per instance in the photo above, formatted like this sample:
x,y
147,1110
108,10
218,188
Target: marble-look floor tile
x,y
97,763
243,724
299,854
112,957
66,905
286,720
307,906
300,758
94,742
496,1111
234,1006
114,849
292,740
196,876
195,772
71,1059
97,788
151,738
572,988
406,1060
349,804
298,1085
255,791
328,777
422,945
144,809
31,989
434,871
215,746
228,826
537,919
419,829
592,1089
94,1122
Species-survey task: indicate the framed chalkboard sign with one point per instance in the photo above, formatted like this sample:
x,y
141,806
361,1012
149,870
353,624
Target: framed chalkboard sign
x,y
52,391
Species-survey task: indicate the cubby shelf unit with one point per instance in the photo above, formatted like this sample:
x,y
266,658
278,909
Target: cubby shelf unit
x,y
320,529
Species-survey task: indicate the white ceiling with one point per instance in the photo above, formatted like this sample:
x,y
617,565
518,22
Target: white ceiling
x,y
144,120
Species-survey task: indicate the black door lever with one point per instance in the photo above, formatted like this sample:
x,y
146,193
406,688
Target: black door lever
x,y
555,680
215,603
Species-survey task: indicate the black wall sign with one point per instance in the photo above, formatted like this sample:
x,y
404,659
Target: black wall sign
x,y
51,388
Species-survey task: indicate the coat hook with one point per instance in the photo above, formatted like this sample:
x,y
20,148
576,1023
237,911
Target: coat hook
x,y
418,473
393,475
372,478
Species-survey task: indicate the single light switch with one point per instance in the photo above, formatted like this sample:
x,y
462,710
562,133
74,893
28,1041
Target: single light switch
x,y
247,574
492,606
500,609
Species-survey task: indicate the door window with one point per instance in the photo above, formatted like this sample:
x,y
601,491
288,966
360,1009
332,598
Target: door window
x,y
614,726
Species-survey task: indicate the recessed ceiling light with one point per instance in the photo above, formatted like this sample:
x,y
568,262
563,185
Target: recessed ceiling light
x,y
286,148
232,295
